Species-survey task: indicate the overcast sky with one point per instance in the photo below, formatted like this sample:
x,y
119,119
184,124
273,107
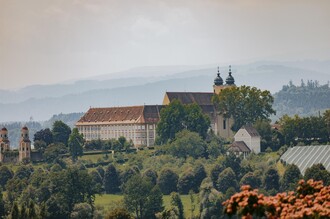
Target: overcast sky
x,y
47,41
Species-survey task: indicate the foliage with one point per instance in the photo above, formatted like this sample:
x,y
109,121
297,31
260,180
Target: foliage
x,y
75,143
61,132
290,178
118,213
175,117
271,180
142,198
210,201
167,181
82,211
308,129
186,183
226,179
152,175
306,100
186,144
177,203
44,135
311,200
5,175
317,172
53,151
244,104
251,179
111,180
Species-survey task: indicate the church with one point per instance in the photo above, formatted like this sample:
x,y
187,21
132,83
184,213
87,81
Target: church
x,y
138,123
13,156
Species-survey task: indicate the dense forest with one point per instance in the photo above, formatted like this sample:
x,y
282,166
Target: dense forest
x,y
309,98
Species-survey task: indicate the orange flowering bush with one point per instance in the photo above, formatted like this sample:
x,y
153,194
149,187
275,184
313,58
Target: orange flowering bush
x,y
310,200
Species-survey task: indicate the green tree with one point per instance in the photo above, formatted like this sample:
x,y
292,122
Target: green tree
x,y
167,181
75,143
5,175
317,172
175,117
2,206
171,121
226,179
139,197
244,104
196,120
111,180
210,201
251,179
200,174
44,135
152,175
177,203
40,145
187,144
271,180
82,211
15,213
186,183
118,213
53,151
290,178
61,132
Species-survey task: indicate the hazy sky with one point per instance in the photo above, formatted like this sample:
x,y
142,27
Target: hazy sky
x,y
46,41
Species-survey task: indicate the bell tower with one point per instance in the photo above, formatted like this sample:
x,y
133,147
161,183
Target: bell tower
x,y
24,145
4,143
218,83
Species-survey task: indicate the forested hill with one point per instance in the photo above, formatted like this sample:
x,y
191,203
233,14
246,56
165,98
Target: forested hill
x,y
307,99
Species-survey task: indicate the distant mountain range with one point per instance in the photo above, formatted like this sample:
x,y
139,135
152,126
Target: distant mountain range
x,y
147,85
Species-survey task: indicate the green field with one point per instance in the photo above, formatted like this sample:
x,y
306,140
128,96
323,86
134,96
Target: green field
x,y
109,201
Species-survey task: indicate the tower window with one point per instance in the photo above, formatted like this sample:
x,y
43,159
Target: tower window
x,y
224,124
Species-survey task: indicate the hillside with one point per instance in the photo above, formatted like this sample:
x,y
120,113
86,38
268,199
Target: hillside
x,y
307,99
41,102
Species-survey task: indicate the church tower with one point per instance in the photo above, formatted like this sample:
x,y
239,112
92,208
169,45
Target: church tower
x,y
24,145
4,143
223,125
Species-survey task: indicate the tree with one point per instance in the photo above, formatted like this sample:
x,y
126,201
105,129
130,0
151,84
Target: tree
x,y
44,135
141,198
15,213
167,181
186,183
152,175
226,179
118,213
5,175
40,145
61,132
317,172
290,178
210,201
82,211
175,117
271,180
186,144
196,120
244,104
53,151
251,179
75,143
111,180
171,121
177,203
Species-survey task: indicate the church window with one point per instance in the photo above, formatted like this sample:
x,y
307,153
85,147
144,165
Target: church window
x,y
224,124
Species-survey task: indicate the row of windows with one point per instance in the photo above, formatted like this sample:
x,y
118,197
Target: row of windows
x,y
114,127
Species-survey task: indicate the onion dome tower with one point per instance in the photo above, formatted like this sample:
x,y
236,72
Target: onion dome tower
x,y
4,143
218,80
230,79
218,83
24,145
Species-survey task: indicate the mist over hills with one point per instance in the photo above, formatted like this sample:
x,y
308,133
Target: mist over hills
x,y
147,85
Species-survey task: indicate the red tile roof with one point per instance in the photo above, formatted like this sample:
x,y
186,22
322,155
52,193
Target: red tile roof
x,y
118,115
